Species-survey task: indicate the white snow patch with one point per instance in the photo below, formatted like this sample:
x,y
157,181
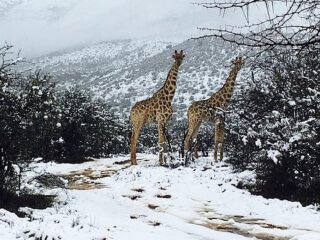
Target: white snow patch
x,y
275,113
258,143
193,197
292,103
294,138
245,140
273,154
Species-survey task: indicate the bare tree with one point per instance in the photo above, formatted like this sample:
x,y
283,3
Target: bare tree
x,y
298,27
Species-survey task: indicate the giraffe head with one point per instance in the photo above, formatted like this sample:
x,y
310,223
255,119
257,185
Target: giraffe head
x,y
238,63
178,57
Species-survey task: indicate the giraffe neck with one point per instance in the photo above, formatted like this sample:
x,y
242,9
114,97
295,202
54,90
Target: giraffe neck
x,y
169,88
223,96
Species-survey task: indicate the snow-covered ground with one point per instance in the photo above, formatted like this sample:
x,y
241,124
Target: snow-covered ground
x,y
109,199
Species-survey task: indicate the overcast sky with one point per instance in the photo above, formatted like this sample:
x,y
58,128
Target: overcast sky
x,y
38,27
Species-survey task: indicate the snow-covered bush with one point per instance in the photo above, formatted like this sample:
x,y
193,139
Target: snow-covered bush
x,y
40,117
38,123
88,127
27,122
275,126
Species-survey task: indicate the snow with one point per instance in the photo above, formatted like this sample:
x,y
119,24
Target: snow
x,y
273,154
258,143
108,200
276,113
294,138
292,103
245,140
134,51
127,71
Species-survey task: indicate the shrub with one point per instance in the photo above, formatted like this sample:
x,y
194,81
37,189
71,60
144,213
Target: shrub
x,y
27,117
89,128
276,127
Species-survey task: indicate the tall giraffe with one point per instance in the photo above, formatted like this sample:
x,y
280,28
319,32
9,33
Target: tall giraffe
x,y
156,109
204,110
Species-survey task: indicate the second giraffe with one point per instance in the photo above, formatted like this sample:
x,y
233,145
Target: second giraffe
x,y
205,110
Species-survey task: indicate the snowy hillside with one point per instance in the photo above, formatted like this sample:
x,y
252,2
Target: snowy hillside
x,y
124,72
109,199
87,65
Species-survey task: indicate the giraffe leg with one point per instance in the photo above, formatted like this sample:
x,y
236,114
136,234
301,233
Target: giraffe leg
x,y
216,142
194,140
187,140
218,138
162,142
191,134
221,148
195,149
136,127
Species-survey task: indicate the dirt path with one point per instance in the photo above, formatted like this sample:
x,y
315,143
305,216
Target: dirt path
x,y
257,228
248,227
88,178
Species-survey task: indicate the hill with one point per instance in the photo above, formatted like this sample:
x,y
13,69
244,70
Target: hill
x,y
123,72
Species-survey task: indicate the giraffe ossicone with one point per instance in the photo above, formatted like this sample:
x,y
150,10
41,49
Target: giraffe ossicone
x,y
156,109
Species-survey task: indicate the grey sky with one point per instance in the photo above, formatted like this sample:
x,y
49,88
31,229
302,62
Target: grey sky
x,y
38,27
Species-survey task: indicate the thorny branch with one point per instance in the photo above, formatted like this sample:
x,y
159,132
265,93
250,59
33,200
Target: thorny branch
x,y
298,27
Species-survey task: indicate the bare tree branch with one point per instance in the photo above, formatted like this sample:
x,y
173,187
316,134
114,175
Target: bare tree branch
x,y
298,27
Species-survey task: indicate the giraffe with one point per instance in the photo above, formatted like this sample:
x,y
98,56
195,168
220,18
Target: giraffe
x,y
205,110
156,109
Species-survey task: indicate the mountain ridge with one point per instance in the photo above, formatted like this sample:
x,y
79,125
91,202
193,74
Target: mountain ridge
x,y
126,71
